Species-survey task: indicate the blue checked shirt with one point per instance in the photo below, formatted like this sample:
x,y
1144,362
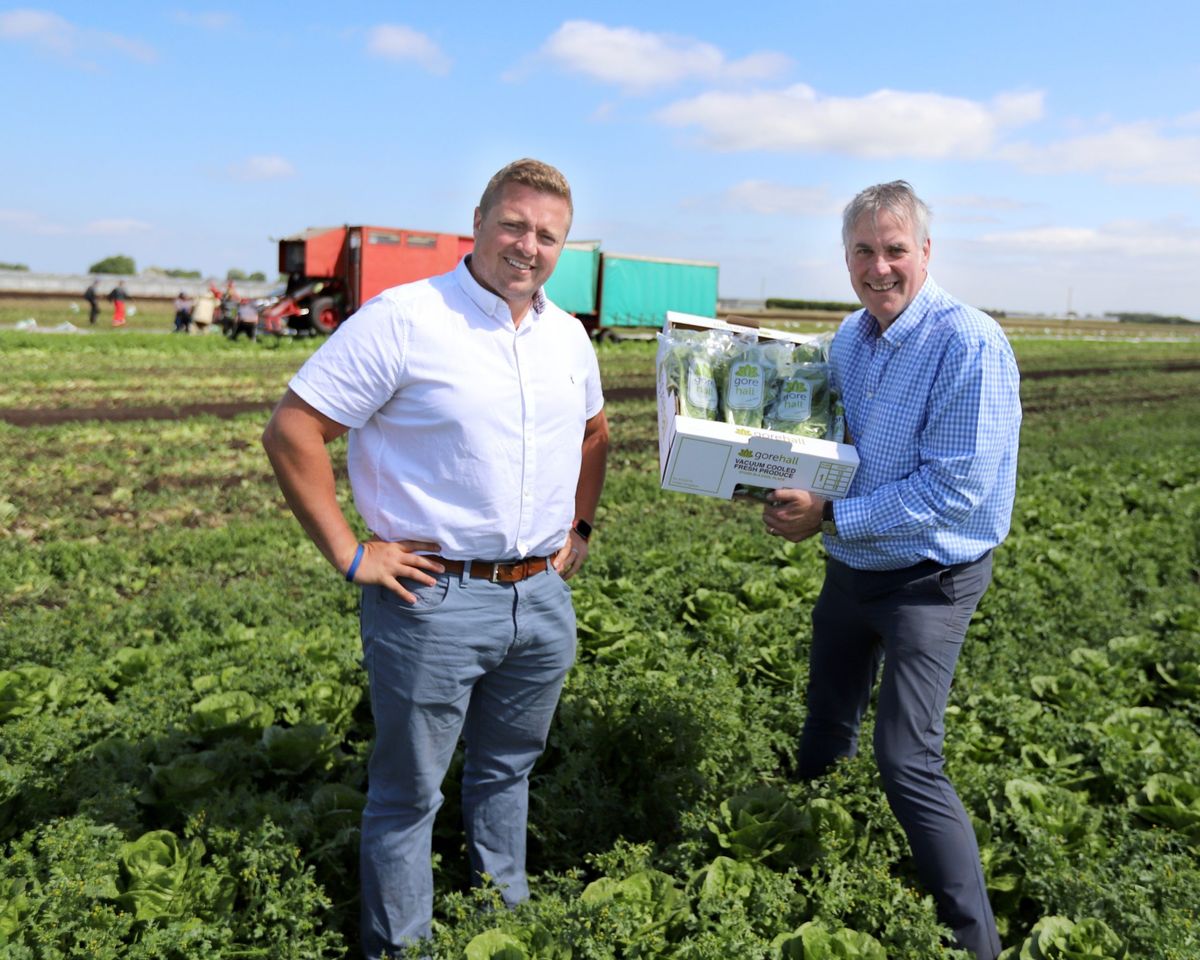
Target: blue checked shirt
x,y
932,405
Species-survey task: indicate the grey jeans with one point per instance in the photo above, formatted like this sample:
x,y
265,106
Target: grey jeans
x,y
473,658
913,621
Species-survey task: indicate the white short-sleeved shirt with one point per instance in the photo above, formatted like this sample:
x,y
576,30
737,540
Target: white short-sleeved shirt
x,y
465,431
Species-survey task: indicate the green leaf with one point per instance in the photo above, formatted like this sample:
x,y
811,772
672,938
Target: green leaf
x,y
185,778
159,875
235,713
30,689
294,750
815,941
725,877
650,896
14,906
337,807
1060,938
496,945
763,824
1170,801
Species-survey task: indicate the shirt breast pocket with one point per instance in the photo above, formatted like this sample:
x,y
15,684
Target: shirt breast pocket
x,y
569,395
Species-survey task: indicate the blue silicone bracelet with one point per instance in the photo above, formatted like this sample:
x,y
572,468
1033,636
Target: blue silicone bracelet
x,y
353,568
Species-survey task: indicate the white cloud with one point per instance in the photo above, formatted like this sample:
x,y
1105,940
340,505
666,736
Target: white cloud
x,y
57,36
115,227
762,196
1063,239
975,201
1121,238
603,113
639,61
41,28
262,167
1130,153
134,48
975,208
205,19
886,123
1112,266
29,222
36,224
397,42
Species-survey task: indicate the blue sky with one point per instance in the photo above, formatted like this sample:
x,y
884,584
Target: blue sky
x,y
1058,144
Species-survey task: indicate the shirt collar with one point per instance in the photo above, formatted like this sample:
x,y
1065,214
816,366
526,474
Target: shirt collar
x,y
487,301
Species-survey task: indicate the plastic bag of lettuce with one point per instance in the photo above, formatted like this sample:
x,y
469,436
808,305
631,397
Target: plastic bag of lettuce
x,y
800,400
693,362
740,379
748,376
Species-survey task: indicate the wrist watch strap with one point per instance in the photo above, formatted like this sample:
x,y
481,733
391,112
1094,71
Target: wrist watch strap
x,y
828,523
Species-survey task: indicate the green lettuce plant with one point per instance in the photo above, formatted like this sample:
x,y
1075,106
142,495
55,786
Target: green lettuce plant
x,y
161,876
1170,801
336,806
32,688
187,777
1054,810
293,751
325,701
649,898
765,825
817,941
234,713
1059,938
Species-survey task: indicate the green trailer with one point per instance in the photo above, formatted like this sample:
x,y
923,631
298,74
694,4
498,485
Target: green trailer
x,y
573,284
615,293
638,291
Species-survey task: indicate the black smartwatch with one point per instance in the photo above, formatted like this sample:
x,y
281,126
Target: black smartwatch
x,y
828,523
583,529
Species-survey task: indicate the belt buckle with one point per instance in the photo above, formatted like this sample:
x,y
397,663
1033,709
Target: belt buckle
x,y
495,577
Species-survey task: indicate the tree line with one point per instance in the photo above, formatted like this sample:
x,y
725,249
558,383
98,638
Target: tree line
x,y
122,265
1148,318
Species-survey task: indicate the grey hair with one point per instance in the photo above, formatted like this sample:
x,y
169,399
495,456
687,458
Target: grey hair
x,y
897,198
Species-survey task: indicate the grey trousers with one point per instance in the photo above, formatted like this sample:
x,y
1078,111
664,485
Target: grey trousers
x,y
484,661
913,621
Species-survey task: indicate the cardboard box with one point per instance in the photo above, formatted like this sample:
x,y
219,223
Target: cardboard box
x,y
711,458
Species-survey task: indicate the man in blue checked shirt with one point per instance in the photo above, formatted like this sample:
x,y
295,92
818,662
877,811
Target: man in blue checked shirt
x,y
930,388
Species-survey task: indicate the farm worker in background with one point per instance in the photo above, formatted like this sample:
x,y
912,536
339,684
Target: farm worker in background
x,y
183,312
117,297
227,305
930,388
91,296
202,312
477,453
246,322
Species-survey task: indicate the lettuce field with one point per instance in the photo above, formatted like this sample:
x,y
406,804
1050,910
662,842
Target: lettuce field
x,y
184,727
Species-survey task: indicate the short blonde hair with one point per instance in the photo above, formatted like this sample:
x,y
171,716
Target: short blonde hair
x,y
529,173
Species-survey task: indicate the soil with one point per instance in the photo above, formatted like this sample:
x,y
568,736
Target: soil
x,y
46,416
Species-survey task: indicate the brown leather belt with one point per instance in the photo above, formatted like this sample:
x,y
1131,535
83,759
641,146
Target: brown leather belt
x,y
512,571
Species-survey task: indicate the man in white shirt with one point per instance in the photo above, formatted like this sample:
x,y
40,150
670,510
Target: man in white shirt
x,y
476,455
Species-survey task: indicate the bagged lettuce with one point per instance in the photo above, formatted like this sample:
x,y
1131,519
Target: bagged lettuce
x,y
744,383
693,361
736,378
837,422
799,401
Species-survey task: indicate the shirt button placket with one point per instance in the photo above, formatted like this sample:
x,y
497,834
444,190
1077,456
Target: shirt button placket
x,y
529,459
